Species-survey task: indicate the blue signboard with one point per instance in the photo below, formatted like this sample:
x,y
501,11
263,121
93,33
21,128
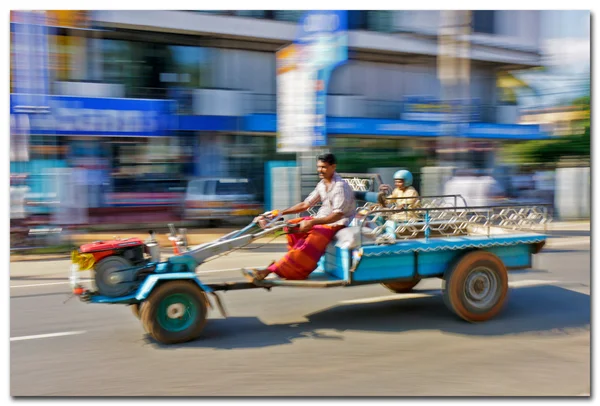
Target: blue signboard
x,y
425,108
103,116
208,123
323,38
505,131
404,128
373,126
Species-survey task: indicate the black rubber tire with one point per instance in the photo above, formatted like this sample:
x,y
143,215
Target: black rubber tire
x,y
135,309
102,272
401,287
149,312
455,286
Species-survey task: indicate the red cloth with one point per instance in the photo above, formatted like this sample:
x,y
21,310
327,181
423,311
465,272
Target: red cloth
x,y
304,251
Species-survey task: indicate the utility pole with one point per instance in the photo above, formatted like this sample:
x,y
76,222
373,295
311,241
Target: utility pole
x,y
454,75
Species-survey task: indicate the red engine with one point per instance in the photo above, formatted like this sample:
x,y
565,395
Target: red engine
x,y
117,263
131,249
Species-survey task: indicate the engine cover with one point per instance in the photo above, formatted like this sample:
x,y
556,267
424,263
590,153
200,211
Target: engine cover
x,y
110,245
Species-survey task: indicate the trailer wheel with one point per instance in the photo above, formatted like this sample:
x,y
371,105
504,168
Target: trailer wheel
x,y
401,287
175,312
475,288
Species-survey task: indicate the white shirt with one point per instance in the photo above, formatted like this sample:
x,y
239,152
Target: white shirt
x,y
339,198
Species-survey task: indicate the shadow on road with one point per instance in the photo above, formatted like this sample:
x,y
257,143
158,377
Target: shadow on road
x,y
547,310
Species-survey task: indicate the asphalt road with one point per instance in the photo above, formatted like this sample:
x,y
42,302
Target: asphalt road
x,y
359,341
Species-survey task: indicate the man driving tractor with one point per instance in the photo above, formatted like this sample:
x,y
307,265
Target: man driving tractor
x,y
308,244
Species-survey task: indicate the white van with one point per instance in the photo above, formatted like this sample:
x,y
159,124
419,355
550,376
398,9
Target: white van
x,y
220,199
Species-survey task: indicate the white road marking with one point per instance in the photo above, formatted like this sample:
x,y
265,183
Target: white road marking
x,y
384,298
44,284
66,333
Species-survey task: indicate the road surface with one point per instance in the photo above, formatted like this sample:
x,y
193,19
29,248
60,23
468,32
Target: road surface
x,y
359,341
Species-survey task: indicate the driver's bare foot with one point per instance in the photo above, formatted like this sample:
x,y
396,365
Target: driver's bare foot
x,y
260,275
255,275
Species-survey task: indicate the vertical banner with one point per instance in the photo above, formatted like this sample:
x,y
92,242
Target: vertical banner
x,y
303,72
289,104
323,36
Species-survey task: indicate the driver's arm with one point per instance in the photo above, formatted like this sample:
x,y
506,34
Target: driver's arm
x,y
298,208
309,202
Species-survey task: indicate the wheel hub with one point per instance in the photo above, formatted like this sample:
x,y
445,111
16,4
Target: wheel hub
x,y
114,278
176,311
481,287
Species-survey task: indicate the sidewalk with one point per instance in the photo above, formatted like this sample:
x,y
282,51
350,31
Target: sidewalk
x,y
198,236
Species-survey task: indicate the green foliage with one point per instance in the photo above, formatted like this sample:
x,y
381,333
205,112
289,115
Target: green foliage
x,y
583,102
550,151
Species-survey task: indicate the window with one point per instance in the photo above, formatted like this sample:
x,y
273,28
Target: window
x,y
251,13
225,188
136,65
153,70
197,187
218,12
190,66
292,16
183,71
357,20
380,21
119,64
483,21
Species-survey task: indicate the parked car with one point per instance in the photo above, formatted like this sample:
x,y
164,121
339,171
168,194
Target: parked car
x,y
218,199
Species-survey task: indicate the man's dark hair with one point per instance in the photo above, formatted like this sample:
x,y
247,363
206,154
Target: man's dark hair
x,y
327,158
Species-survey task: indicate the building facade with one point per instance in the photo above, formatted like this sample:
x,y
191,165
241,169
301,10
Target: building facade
x,y
218,68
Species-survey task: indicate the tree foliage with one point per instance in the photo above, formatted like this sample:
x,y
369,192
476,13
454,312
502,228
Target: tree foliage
x,y
551,151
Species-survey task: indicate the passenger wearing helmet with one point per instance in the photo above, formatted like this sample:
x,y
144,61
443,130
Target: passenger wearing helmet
x,y
403,180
